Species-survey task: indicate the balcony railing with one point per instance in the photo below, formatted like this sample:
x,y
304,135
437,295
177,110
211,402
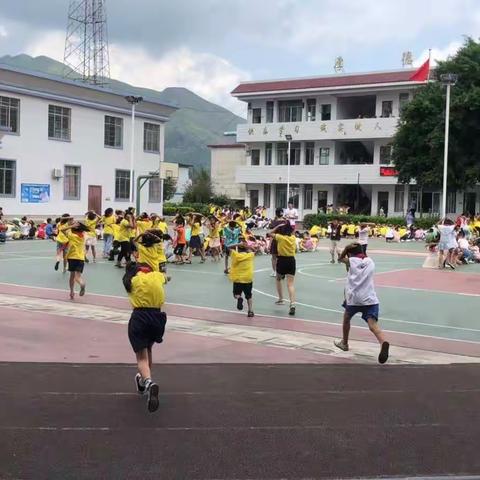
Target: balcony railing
x,y
361,128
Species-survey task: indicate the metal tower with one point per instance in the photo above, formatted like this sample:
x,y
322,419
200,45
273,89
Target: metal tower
x,y
86,44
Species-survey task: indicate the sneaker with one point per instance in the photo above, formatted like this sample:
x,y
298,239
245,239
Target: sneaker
x,y
226,272
273,274
280,302
342,346
82,291
152,401
87,260
332,261
383,356
138,385
451,265
250,314
56,265
292,309
240,303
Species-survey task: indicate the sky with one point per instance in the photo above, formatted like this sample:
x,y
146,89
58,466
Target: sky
x,y
209,46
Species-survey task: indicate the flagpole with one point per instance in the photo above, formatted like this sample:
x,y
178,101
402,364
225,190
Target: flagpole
x,y
429,63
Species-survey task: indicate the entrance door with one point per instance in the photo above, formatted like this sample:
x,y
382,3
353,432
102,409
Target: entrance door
x,y
95,198
322,201
383,203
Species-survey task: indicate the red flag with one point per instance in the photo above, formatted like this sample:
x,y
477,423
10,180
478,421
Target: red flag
x,y
422,73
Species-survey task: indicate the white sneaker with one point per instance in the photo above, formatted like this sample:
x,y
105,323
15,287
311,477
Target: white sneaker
x,y
273,274
342,346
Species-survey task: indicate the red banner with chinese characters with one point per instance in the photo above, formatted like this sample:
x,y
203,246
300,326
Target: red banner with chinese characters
x,y
388,172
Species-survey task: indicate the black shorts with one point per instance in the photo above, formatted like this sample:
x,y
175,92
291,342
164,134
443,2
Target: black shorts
x,y
195,242
76,265
245,288
286,266
179,249
146,327
273,247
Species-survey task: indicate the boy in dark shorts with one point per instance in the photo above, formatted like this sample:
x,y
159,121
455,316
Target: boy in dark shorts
x,y
241,274
146,325
360,297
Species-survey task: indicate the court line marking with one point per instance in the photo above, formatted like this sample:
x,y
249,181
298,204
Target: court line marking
x,y
282,317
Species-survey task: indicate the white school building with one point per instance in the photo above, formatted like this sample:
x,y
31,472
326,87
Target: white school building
x,y
340,129
66,146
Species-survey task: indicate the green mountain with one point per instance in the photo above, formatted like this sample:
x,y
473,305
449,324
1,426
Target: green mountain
x,y
195,125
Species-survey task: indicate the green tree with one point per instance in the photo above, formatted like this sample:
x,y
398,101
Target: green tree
x,y
169,188
200,190
419,142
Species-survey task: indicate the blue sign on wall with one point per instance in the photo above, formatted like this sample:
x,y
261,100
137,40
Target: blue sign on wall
x,y
35,193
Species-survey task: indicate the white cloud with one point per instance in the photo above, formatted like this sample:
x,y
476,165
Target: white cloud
x,y
437,54
3,31
50,43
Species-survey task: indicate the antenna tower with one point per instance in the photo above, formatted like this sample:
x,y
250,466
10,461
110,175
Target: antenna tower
x,y
86,44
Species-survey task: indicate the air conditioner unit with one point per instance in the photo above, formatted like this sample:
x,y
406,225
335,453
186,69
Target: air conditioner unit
x,y
56,173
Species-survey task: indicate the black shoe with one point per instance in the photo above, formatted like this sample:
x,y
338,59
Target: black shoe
x,y
56,265
292,310
87,260
152,402
240,303
383,356
250,314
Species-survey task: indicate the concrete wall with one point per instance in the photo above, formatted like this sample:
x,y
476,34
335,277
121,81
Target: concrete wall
x,y
224,163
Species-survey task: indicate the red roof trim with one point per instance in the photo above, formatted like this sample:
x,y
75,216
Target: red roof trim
x,y
324,82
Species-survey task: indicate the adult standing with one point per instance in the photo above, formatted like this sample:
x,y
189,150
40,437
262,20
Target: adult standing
x,y
278,220
291,214
410,218
335,235
363,233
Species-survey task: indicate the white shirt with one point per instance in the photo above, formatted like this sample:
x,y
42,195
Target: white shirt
x,y
447,235
363,236
463,243
360,289
291,214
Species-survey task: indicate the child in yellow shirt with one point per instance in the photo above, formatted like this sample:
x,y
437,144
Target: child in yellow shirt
x,y
241,274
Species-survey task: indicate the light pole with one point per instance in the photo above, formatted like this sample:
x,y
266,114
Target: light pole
x,y
447,79
288,137
132,100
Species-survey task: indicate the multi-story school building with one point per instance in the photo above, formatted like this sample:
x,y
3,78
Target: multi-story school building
x,y
66,146
340,129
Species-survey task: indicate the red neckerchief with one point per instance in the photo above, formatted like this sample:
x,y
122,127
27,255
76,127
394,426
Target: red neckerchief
x,y
144,269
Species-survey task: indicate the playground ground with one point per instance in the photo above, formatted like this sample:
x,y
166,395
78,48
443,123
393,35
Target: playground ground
x,y
262,398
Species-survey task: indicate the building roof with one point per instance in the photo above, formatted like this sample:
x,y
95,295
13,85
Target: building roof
x,y
325,82
227,145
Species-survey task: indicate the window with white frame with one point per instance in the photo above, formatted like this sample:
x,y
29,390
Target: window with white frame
x,y
257,115
151,137
71,182
309,153
324,155
9,114
385,154
8,170
307,197
268,153
59,120
155,190
282,155
280,196
387,108
122,185
295,149
326,111
290,111
113,132
399,198
269,111
255,157
311,109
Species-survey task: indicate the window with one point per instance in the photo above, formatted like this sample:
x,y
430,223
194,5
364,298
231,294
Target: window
x,y
399,198
7,178
267,191
326,112
113,133
59,122
154,190
311,109
290,111
387,108
282,153
403,101
269,118
255,157
268,153
257,115
295,149
9,113
413,197
324,155
309,153
307,197
452,201
151,138
280,196
122,184
71,182
294,195
385,154
322,201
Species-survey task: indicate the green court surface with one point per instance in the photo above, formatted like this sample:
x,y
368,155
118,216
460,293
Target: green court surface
x,y
412,300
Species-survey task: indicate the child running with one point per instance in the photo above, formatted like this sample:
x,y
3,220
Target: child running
x,y
241,274
231,232
360,297
147,324
180,242
108,221
62,242
286,266
214,242
126,227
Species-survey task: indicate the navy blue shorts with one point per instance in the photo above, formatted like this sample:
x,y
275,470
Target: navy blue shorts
x,y
367,311
146,327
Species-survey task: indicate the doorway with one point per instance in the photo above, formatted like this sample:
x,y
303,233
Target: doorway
x,y
253,199
95,198
469,202
383,203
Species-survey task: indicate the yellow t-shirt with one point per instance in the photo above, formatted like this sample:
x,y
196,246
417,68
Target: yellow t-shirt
x,y
162,258
147,290
286,245
124,231
215,232
149,255
115,230
163,227
91,224
241,270
402,232
196,229
108,223
61,237
76,246
383,231
315,230
143,226
351,229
